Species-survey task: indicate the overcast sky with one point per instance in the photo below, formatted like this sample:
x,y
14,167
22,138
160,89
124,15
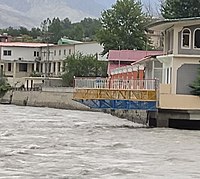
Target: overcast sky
x,y
154,4
108,3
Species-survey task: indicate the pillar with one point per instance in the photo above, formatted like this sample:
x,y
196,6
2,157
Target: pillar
x,y
61,66
35,66
51,70
14,71
43,68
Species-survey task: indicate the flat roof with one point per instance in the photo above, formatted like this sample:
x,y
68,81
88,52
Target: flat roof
x,y
164,24
23,44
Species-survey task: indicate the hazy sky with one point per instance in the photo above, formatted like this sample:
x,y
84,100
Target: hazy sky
x,y
108,3
154,4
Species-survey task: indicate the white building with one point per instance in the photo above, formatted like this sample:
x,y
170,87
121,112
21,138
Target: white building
x,y
19,60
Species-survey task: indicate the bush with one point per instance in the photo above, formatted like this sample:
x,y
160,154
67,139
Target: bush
x,y
4,86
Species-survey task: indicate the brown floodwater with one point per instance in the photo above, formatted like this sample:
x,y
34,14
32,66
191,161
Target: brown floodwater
x,y
56,143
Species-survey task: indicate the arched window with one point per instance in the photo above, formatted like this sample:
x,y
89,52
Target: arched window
x,y
197,38
186,38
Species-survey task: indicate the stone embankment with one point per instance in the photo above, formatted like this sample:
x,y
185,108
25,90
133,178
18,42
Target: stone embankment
x,y
62,99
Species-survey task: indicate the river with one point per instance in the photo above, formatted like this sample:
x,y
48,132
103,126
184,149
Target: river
x,y
64,144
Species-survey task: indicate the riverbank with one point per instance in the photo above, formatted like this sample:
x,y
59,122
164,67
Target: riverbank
x,y
54,98
61,100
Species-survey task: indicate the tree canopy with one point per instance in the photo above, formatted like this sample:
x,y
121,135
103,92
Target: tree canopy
x,y
195,86
82,66
4,86
173,9
84,30
123,27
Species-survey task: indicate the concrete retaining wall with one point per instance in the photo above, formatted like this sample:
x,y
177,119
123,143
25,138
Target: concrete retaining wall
x,y
63,100
137,116
44,99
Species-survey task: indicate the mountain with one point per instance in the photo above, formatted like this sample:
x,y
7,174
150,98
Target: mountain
x,y
30,13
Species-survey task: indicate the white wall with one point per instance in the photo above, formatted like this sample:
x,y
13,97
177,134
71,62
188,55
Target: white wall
x,y
56,56
25,53
90,48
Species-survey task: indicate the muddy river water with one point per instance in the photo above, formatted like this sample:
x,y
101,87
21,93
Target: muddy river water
x,y
55,143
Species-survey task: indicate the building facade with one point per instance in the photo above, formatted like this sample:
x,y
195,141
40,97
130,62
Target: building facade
x,y
122,64
19,60
181,52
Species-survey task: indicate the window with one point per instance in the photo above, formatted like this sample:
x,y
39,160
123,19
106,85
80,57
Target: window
x,y
158,74
158,66
49,70
9,66
32,67
37,66
36,54
64,52
54,52
7,52
1,70
169,41
59,52
58,66
186,38
23,67
41,67
70,51
197,38
54,66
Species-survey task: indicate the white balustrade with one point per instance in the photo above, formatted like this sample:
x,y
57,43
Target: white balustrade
x,y
106,83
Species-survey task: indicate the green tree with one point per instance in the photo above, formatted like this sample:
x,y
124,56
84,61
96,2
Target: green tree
x,y
35,32
195,86
173,9
55,29
123,26
12,31
66,23
4,86
76,32
82,66
90,27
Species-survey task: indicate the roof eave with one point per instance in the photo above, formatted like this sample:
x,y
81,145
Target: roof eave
x,y
167,23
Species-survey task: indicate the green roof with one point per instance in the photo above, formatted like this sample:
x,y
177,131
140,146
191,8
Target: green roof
x,y
65,41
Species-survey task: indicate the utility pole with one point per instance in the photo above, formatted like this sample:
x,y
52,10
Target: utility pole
x,y
45,28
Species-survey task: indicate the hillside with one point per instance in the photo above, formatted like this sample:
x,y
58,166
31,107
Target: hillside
x,y
30,13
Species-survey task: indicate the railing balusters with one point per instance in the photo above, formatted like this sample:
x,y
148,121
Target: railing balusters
x,y
147,84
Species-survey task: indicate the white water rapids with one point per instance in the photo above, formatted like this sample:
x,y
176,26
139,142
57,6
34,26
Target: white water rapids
x,y
55,143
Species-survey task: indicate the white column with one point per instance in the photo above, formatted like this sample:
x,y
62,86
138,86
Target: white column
x,y
40,68
14,71
43,67
35,66
51,67
61,66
